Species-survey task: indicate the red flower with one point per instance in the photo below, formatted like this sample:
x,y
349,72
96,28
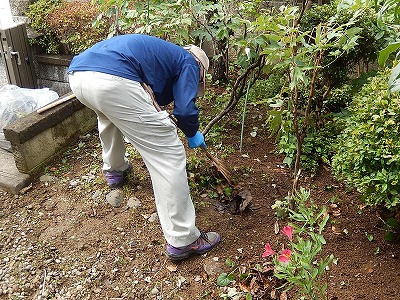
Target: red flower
x,y
268,251
284,255
288,231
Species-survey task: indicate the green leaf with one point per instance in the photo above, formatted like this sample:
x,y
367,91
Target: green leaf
x,y
369,236
224,279
394,80
389,236
230,263
384,54
391,222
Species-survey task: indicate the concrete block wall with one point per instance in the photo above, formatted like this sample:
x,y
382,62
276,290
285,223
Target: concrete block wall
x,y
51,72
38,138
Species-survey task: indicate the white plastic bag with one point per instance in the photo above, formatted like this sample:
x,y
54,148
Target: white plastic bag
x,y
16,102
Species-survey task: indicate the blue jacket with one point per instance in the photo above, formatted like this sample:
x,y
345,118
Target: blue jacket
x,y
171,71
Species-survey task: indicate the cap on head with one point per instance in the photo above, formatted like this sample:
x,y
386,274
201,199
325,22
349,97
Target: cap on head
x,y
202,58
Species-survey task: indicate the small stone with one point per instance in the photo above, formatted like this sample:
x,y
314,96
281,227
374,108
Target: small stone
x,y
155,291
213,267
96,194
47,178
172,267
115,197
153,217
133,202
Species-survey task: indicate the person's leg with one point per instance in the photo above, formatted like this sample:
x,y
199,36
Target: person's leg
x,y
111,138
112,145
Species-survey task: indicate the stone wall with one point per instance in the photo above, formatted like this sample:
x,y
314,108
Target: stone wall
x,y
51,72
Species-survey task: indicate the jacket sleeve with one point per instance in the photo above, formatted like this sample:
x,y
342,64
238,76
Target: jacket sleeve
x,y
185,93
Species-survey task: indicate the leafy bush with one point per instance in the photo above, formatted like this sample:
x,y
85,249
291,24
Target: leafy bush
x,y
317,147
66,27
368,150
38,13
72,24
367,47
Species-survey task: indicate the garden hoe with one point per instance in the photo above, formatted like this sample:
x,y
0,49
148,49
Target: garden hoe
x,y
217,163
242,200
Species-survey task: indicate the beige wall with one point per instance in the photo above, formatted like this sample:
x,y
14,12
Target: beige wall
x,y
5,14
18,7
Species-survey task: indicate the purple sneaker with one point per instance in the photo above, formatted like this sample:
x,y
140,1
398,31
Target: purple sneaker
x,y
204,243
116,179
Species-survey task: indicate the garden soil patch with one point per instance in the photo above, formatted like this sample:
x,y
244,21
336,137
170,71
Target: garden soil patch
x,y
60,239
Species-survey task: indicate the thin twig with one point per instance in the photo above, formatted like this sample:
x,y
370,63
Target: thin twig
x,y
44,281
165,261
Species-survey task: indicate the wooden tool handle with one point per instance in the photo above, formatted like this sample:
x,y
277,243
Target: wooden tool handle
x,y
55,103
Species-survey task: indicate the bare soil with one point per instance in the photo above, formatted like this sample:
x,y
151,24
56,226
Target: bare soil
x,y
60,239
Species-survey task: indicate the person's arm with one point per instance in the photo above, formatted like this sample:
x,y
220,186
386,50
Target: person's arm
x,y
185,92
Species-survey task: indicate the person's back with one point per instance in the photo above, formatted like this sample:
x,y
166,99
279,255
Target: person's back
x,y
171,72
141,58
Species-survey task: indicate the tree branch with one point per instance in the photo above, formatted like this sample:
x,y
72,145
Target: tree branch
x,y
237,91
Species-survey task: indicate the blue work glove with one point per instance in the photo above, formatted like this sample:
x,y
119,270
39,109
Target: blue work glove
x,y
197,140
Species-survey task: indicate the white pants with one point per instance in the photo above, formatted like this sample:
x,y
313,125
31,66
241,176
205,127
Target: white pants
x,y
125,109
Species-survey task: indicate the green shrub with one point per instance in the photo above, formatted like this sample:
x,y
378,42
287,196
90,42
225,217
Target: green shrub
x,y
38,13
66,26
72,24
317,147
367,48
368,151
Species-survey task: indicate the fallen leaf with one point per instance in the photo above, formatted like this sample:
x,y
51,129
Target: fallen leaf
x,y
240,202
267,269
276,227
246,195
172,267
370,270
283,296
244,288
254,286
220,189
336,230
180,280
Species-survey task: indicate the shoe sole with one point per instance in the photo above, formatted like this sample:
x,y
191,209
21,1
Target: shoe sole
x,y
178,257
186,255
116,185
